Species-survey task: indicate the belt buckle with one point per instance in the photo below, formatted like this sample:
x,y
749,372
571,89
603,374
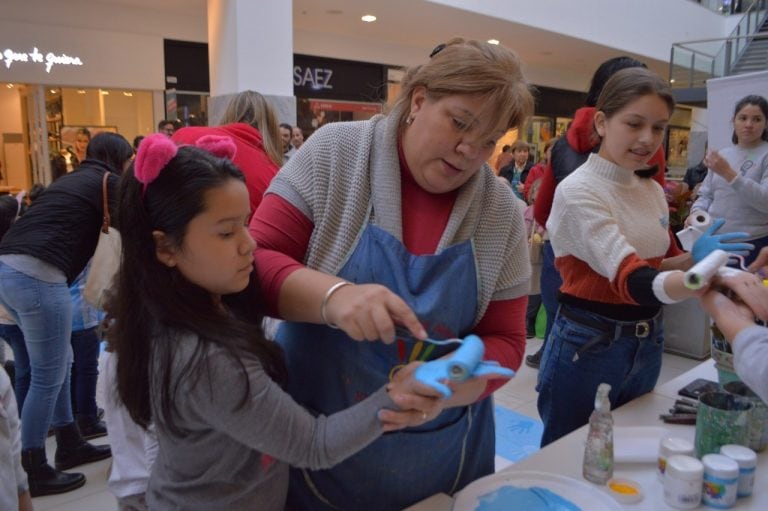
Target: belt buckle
x,y
642,329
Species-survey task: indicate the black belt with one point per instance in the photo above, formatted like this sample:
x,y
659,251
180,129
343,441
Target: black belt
x,y
610,331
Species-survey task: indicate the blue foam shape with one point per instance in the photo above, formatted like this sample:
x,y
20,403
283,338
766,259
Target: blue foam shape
x,y
517,435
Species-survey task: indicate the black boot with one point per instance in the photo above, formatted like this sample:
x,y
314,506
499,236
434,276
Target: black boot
x,y
91,427
43,479
72,450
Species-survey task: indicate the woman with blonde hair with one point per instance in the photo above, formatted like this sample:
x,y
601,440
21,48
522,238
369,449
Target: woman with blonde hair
x,y
251,124
379,230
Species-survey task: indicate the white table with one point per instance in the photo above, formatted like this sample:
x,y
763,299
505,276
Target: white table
x,y
564,456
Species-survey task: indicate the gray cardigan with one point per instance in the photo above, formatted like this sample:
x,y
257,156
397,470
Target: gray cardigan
x,y
347,174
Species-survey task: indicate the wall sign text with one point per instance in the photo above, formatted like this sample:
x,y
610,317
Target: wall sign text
x,y
50,59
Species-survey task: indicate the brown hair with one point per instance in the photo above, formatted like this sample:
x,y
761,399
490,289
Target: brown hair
x,y
519,145
463,67
252,108
629,84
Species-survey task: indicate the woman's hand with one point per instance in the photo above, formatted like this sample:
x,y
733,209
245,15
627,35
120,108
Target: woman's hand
x,y
370,312
761,262
748,289
719,165
417,403
731,316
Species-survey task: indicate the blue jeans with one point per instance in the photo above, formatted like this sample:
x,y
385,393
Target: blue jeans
x,y
43,311
85,372
567,387
550,284
15,339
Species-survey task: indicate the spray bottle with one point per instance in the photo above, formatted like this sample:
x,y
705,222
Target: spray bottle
x,y
598,452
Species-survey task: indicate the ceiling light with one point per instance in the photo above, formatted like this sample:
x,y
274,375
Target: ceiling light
x,y
671,80
53,91
104,92
493,41
129,94
369,18
9,85
81,91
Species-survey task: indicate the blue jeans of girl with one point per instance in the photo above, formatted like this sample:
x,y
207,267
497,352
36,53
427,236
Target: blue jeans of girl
x,y
43,311
550,284
568,381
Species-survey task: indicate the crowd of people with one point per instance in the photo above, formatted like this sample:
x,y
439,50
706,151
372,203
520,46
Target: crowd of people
x,y
366,242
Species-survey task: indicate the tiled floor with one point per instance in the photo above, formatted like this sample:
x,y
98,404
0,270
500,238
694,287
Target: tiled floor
x,y
519,394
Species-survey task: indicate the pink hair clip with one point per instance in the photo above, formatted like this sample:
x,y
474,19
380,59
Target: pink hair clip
x,y
154,153
218,145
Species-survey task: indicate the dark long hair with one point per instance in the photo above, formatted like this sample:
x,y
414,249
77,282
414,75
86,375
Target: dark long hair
x,y
154,305
110,148
604,72
758,101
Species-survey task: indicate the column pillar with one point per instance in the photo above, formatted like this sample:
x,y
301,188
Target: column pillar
x,y
250,47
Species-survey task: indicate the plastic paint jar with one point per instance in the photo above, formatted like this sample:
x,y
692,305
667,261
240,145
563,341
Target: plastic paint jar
x,y
671,446
683,479
721,481
747,460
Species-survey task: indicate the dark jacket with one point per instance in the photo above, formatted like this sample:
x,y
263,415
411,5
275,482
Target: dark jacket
x,y
62,226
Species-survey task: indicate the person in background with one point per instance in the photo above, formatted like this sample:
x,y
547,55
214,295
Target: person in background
x,y
82,139
40,256
251,124
10,209
504,158
191,356
568,153
536,234
14,486
379,230
609,232
516,171
285,136
734,314
166,127
297,137
136,141
736,189
85,361
537,171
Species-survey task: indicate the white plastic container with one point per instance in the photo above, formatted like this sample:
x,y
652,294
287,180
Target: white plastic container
x,y
670,446
747,460
683,479
721,481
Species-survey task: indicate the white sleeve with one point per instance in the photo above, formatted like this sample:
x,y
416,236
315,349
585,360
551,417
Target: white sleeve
x,y
750,349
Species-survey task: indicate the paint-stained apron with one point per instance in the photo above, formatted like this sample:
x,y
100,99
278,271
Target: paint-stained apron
x,y
329,372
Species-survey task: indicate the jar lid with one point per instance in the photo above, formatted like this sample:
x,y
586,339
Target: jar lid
x,y
626,491
720,465
684,467
744,456
676,445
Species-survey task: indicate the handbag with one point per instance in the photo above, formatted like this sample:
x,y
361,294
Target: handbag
x,y
106,259
536,256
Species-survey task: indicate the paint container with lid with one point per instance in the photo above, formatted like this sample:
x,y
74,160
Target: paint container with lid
x,y
670,446
683,479
721,481
747,460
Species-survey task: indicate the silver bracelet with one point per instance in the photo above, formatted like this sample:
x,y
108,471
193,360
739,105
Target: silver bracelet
x,y
327,297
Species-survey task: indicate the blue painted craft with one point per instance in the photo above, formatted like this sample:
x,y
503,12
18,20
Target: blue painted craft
x,y
466,362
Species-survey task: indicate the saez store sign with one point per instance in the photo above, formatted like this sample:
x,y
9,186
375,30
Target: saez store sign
x,y
10,57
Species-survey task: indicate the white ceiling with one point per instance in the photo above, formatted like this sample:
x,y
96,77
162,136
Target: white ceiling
x,y
407,30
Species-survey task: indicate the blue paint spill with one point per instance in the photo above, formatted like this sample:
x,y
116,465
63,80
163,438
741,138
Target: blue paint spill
x,y
517,436
531,499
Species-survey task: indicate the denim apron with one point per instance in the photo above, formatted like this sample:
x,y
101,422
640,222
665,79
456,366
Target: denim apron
x,y
330,371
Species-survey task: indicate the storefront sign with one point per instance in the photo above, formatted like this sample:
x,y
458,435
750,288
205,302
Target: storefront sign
x,y
318,77
10,56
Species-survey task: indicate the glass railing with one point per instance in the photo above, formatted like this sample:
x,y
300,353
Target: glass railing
x,y
726,7
692,63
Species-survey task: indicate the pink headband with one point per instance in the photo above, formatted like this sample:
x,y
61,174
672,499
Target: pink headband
x,y
156,150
